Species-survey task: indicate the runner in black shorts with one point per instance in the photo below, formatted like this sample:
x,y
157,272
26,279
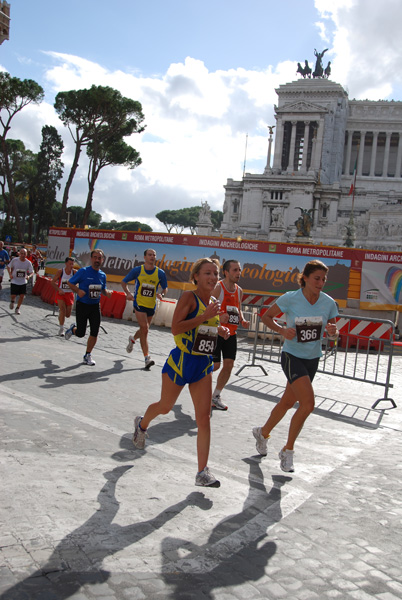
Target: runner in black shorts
x,y
230,296
308,312
92,284
148,278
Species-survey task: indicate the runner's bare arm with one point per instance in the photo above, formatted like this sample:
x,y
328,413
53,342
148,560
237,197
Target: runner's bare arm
x,y
186,305
129,295
268,320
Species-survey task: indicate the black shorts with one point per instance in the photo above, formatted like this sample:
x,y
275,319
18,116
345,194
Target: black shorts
x,y
295,367
84,313
226,348
148,311
18,290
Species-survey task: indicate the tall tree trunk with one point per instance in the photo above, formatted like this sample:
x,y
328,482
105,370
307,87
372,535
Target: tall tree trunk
x,y
74,167
93,173
11,196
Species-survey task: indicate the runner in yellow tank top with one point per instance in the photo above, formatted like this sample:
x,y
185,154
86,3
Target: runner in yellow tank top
x,y
195,327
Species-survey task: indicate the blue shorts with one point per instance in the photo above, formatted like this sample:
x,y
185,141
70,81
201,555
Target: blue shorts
x,y
148,311
185,368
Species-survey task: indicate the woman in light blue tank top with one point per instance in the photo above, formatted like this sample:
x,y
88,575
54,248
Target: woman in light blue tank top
x,y
308,313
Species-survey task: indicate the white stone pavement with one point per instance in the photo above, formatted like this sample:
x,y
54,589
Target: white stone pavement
x,y
84,515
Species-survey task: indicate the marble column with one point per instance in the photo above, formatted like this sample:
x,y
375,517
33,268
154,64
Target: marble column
x,y
305,145
316,159
268,166
361,153
291,165
399,157
348,153
373,154
386,154
278,144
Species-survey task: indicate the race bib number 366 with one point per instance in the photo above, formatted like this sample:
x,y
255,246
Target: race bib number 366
x,y
206,340
308,329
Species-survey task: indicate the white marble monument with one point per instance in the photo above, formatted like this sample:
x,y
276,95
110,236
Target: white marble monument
x,y
320,137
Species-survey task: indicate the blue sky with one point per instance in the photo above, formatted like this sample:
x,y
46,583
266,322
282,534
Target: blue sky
x,y
205,74
147,37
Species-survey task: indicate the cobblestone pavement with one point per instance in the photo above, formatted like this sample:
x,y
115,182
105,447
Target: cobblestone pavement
x,y
86,516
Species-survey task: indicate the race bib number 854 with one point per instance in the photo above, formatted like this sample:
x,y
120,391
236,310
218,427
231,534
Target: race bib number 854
x,y
206,340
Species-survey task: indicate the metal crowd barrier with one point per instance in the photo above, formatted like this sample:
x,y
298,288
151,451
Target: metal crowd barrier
x,y
363,352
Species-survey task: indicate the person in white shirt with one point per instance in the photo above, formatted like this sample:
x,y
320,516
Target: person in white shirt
x,y
20,270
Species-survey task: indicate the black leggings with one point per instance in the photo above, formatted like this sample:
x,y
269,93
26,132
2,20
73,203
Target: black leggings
x,y
84,313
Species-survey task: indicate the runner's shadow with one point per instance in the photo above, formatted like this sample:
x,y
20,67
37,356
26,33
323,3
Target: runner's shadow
x,y
87,376
237,550
184,424
77,560
40,373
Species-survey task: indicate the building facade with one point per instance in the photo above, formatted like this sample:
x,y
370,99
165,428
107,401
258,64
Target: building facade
x,y
4,21
305,194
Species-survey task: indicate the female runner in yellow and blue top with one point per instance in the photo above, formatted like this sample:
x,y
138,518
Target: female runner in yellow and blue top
x,y
195,327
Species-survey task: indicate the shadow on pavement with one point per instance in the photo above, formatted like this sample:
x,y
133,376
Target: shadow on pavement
x,y
77,560
235,552
53,374
159,433
325,407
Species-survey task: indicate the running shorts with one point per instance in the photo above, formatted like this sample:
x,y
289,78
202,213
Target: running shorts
x,y
148,311
84,313
18,290
183,367
295,367
226,348
67,298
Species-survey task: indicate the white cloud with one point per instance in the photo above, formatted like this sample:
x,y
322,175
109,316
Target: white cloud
x,y
194,140
197,120
366,48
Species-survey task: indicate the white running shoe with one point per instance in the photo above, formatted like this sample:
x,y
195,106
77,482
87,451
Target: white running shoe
x,y
11,304
139,435
69,332
286,458
261,441
61,330
149,363
88,360
217,403
206,479
17,311
130,345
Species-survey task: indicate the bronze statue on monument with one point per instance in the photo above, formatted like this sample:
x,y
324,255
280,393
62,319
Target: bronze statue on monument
x,y
319,71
